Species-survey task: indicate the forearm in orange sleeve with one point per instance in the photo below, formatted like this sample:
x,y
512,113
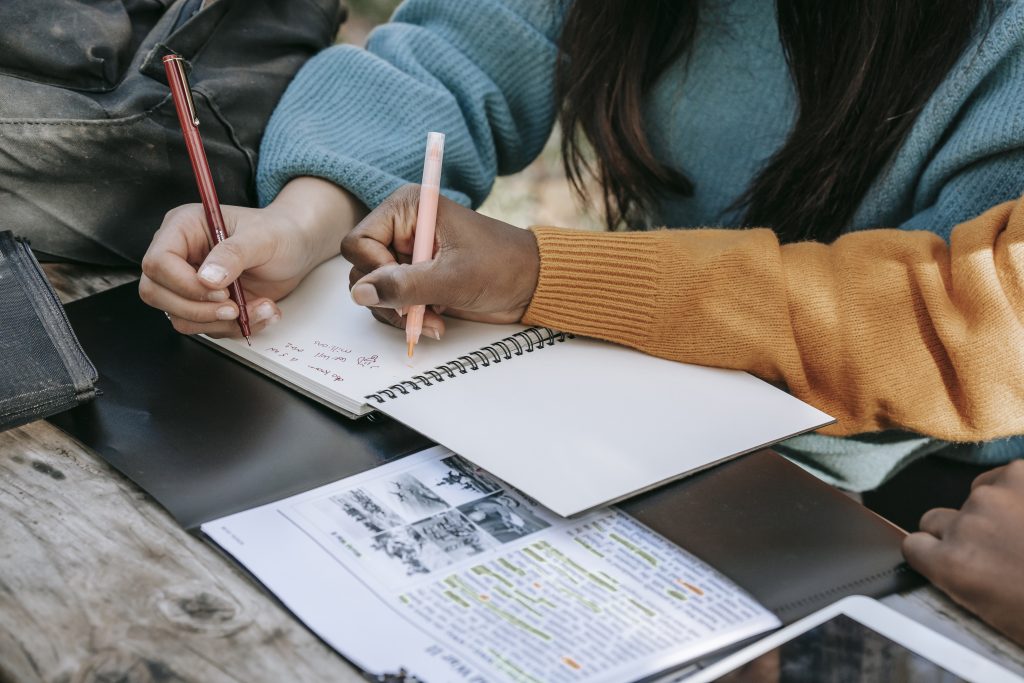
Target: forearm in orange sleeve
x,y
882,328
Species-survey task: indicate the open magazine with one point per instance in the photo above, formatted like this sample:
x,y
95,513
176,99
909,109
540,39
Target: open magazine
x,y
431,566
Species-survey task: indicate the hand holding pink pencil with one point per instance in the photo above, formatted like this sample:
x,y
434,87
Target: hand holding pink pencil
x,y
426,220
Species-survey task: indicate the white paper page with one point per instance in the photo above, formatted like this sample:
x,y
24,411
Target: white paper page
x,y
583,423
430,565
325,337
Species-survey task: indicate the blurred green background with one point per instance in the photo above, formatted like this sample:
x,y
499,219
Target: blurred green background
x,y
374,11
539,195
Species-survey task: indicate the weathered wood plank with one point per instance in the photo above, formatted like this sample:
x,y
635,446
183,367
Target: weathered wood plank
x,y
74,281
936,611
98,583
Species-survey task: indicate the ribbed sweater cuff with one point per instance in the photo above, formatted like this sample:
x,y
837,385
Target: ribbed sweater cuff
x,y
595,284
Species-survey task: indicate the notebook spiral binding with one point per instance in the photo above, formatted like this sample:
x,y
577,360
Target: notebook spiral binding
x,y
514,345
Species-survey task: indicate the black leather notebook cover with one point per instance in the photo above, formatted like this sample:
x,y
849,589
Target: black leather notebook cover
x,y
207,436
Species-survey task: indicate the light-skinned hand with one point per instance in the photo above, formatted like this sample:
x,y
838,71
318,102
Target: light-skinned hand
x,y
269,250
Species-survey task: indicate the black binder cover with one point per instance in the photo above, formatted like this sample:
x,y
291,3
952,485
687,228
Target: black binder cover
x,y
207,437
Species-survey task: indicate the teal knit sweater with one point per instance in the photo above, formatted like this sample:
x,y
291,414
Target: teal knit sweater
x,y
482,72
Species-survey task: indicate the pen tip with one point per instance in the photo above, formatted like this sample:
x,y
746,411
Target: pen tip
x,y
412,345
247,340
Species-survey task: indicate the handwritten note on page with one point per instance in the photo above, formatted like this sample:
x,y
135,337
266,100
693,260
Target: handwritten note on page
x,y
337,347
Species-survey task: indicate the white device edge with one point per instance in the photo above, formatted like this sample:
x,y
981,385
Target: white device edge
x,y
887,622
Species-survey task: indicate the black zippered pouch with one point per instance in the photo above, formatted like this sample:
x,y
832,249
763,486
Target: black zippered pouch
x,y
43,369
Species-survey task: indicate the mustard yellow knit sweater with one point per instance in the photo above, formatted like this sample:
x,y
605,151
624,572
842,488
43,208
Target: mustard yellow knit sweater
x,y
881,329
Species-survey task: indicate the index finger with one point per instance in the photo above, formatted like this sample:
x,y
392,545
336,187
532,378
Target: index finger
x,y
168,262
388,230
183,232
993,476
922,551
937,521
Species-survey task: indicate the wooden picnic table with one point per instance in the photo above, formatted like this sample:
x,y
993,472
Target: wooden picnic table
x,y
98,583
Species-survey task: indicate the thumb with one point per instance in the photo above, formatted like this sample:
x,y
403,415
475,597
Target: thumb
x,y
227,260
402,285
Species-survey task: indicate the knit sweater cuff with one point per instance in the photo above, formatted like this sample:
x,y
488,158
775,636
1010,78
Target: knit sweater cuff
x,y
595,284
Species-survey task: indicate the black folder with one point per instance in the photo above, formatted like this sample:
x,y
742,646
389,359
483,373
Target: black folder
x,y
207,437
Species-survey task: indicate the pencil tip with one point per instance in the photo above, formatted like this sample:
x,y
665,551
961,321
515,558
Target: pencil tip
x,y
412,345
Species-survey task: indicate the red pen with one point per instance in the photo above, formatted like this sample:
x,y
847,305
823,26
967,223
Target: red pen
x,y
181,92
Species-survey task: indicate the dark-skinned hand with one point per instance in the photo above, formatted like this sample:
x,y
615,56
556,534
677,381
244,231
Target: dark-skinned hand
x,y
482,270
976,554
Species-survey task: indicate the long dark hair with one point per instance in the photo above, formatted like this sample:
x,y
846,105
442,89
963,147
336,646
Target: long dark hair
x,y
862,72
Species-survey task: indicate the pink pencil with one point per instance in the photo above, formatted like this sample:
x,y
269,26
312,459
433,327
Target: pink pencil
x,y
426,220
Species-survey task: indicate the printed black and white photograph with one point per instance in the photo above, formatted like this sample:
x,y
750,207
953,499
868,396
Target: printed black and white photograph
x,y
409,496
430,544
456,480
454,534
364,509
409,552
354,514
465,476
503,517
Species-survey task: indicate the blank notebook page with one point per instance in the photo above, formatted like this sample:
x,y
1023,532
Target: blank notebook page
x,y
583,423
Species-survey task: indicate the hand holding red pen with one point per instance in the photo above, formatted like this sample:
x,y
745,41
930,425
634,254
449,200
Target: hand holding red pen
x,y
254,254
189,120
269,251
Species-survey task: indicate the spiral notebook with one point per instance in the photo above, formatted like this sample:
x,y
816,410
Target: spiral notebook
x,y
332,350
574,423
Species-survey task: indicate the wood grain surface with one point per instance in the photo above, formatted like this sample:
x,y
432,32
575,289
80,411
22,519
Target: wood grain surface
x,y
97,582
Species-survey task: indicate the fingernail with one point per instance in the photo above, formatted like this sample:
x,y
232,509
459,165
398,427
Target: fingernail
x,y
264,311
217,295
432,332
365,295
212,273
274,319
226,313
